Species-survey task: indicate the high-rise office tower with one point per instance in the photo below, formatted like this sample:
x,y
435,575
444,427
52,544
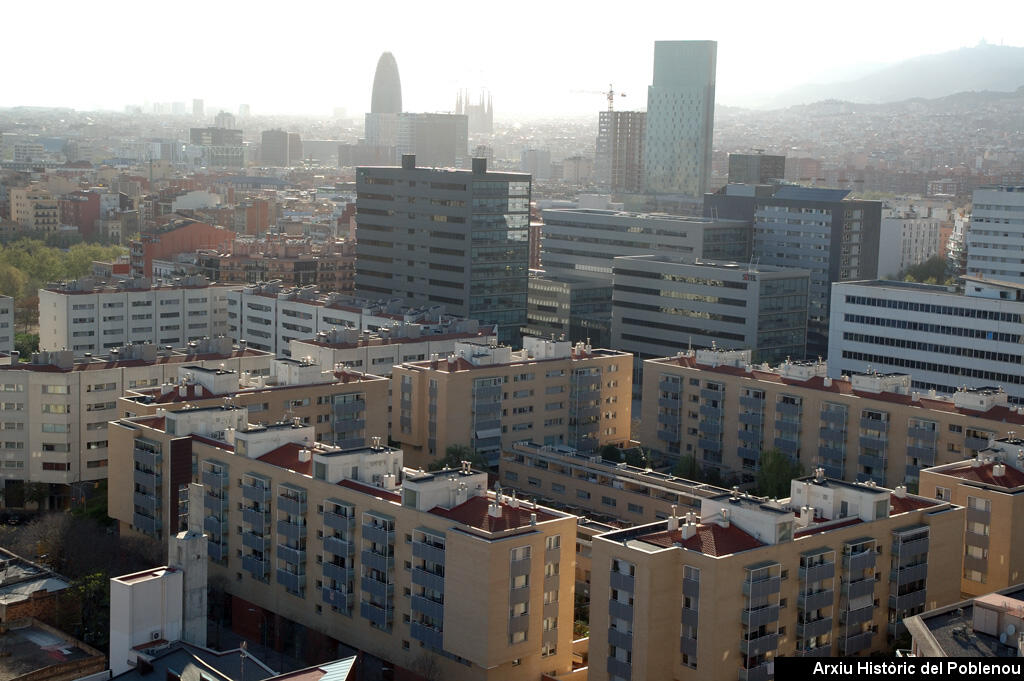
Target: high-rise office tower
x,y
294,148
759,168
619,161
224,120
274,148
436,139
457,238
680,117
387,86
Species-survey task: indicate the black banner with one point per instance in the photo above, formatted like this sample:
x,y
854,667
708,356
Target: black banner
x,y
898,668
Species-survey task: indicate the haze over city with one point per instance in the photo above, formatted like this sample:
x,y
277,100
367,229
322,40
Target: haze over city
x,y
310,57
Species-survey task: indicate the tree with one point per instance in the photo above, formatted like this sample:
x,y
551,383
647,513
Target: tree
x,y
454,455
931,271
12,281
687,468
26,344
775,471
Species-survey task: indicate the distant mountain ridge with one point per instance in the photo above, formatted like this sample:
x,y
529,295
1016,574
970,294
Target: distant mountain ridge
x,y
996,68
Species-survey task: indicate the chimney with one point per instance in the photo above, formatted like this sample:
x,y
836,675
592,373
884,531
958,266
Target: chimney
x,y
451,362
819,474
305,455
689,527
724,522
166,388
827,381
976,462
433,361
533,518
900,492
408,161
182,390
806,515
998,470
494,510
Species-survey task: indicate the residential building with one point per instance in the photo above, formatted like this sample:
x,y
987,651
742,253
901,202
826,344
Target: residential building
x,y
332,401
35,650
218,147
585,393
436,139
382,350
758,168
583,242
86,316
350,544
55,409
996,235
536,162
987,626
813,229
465,245
294,148
663,303
7,329
35,208
569,307
619,159
991,487
28,589
944,339
867,426
274,149
680,118
328,266
177,235
721,594
906,238
270,316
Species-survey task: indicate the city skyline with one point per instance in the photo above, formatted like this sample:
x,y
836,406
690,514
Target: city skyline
x,y
563,79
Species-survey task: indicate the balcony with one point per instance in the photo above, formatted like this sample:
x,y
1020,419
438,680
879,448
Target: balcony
x,y
147,479
147,501
831,435
791,428
907,601
378,534
818,627
819,651
215,480
622,581
976,443
926,455
620,639
214,504
912,573
260,495
291,530
257,520
338,546
430,636
430,608
256,566
291,554
710,412
349,409
908,551
751,437
752,418
619,668
761,672
145,523
214,525
979,540
620,610
787,409
668,435
668,402
290,580
926,434
291,505
977,564
377,561
754,403
425,578
337,598
752,619
710,428
688,645
836,454
339,573
760,645
336,521
859,588
873,443
752,453
710,445
836,417
217,552
762,587
378,590
856,643
858,615
519,623
857,562
786,445
691,588
877,425
689,616
814,573
256,542
975,515
378,615
816,600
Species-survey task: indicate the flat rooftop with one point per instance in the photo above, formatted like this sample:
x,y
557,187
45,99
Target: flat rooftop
x,y
953,631
33,649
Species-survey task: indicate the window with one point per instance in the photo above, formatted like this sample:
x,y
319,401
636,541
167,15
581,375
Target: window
x,y
519,553
942,493
582,494
520,581
608,501
553,542
518,637
979,504
635,508
557,487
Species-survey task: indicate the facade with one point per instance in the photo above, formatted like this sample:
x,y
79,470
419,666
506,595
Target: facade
x,y
996,234
274,148
7,329
436,139
991,488
56,408
86,316
619,159
465,246
722,593
759,168
976,628
814,229
944,339
680,118
583,242
35,208
573,308
319,536
662,303
181,235
859,427
218,147
481,114
270,316
387,86
328,266
585,394
906,238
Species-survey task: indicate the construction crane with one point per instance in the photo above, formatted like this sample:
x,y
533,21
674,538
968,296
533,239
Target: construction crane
x,y
610,95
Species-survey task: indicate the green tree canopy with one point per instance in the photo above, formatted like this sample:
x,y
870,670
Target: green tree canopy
x,y
775,471
454,455
931,271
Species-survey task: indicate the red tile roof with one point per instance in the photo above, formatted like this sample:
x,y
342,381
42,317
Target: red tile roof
x,y
983,474
216,443
287,456
473,512
710,539
819,528
371,490
909,503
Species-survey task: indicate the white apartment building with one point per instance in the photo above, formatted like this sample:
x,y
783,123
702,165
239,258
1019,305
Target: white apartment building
x,y
269,316
996,237
86,316
54,410
944,339
6,325
907,237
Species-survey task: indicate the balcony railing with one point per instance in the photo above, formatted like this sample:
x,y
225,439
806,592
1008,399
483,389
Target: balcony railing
x,y
752,619
760,645
814,573
762,587
425,578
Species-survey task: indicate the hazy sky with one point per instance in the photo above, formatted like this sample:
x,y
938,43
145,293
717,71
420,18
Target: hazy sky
x,y
306,56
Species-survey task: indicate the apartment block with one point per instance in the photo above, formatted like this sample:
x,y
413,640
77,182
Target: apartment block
x,y
720,594
415,568
54,409
35,208
335,402
662,303
759,168
945,339
88,316
986,627
270,317
583,242
570,307
7,329
486,397
991,487
619,156
907,237
996,235
458,238
289,261
724,411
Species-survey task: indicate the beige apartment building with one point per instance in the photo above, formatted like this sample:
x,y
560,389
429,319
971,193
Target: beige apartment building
x,y
488,396
54,410
335,402
35,209
991,488
724,411
425,570
718,595
587,485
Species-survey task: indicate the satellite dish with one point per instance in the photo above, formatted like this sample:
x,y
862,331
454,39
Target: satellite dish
x,y
1010,630
1002,638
